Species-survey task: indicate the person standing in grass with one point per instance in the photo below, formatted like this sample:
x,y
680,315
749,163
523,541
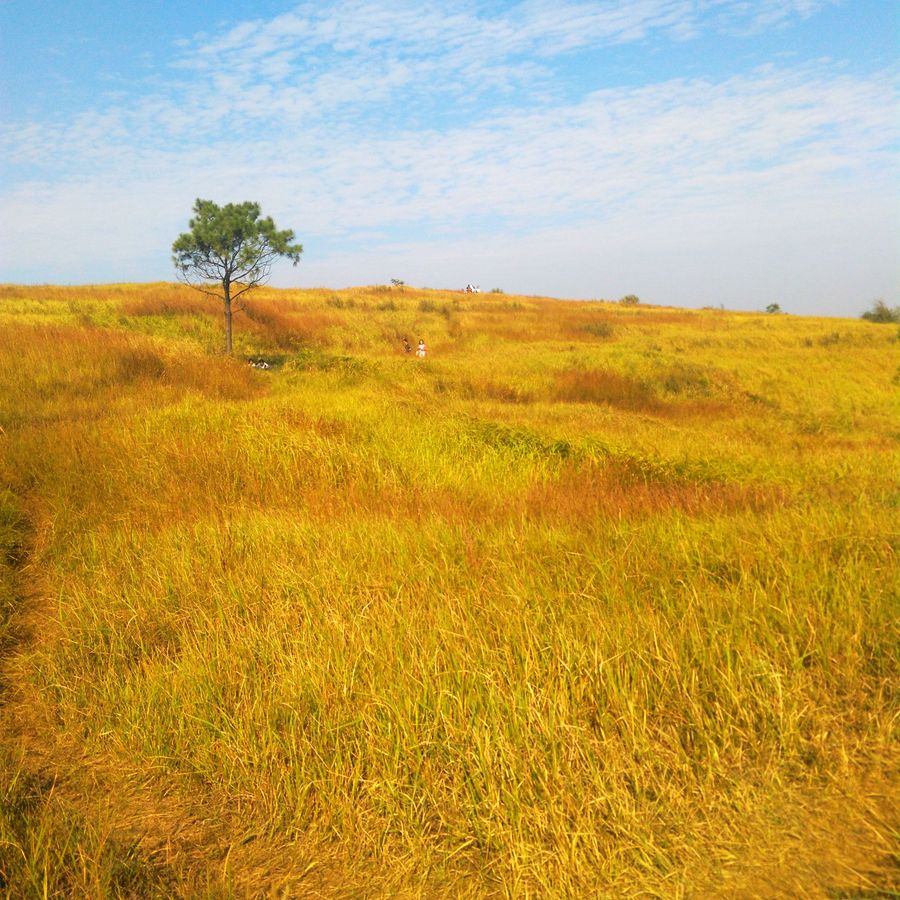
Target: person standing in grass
x,y
420,352
406,346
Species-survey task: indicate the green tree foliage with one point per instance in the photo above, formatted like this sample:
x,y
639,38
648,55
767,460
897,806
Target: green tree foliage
x,y
230,250
881,312
773,309
630,300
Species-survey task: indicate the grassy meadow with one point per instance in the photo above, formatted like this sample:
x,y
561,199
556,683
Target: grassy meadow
x,y
595,601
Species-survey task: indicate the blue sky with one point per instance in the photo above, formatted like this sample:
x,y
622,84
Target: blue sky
x,y
694,152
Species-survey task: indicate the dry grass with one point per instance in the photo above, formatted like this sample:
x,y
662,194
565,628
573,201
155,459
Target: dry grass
x,y
285,329
172,300
604,386
619,490
554,612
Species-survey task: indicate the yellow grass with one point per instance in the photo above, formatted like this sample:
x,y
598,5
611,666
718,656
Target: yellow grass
x,y
593,601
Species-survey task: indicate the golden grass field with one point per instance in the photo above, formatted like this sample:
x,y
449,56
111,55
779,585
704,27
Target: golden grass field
x,y
595,601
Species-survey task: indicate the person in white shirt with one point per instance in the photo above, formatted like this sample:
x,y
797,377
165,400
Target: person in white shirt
x,y
420,352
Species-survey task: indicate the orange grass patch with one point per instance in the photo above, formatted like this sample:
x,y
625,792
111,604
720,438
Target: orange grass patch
x,y
44,364
604,386
171,300
285,326
611,490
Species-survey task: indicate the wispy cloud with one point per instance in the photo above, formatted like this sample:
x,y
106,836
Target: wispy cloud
x,y
371,63
472,30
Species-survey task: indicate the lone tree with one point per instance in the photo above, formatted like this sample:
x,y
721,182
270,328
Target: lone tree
x,y
230,250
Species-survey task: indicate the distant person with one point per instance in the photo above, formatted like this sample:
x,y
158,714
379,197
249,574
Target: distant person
x,y
420,352
407,348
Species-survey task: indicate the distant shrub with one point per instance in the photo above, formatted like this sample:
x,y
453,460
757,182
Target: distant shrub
x,y
497,290
630,300
387,306
882,313
397,282
773,308
830,339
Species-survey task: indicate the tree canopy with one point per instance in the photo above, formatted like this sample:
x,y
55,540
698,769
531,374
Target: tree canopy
x,y
229,250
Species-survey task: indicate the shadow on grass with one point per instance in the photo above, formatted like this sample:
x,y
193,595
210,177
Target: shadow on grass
x,y
48,850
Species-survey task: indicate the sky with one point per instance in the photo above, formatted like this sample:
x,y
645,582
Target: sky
x,y
729,153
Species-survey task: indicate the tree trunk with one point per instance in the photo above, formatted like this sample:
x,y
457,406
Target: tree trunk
x,y
227,286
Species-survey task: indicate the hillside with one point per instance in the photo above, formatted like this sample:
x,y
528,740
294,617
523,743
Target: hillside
x,y
593,601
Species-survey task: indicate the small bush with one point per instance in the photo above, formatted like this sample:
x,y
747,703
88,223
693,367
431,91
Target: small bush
x,y
773,309
630,300
882,313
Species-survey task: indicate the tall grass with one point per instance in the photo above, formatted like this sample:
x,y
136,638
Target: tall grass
x,y
541,615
